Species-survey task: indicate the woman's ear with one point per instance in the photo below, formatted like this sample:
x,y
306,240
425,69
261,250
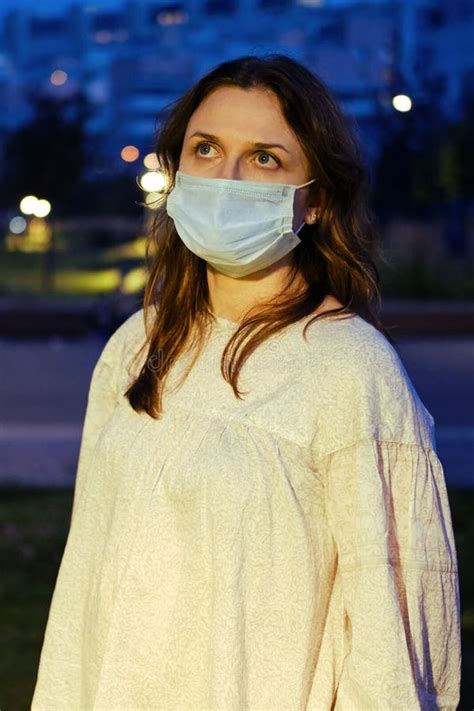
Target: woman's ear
x,y
311,215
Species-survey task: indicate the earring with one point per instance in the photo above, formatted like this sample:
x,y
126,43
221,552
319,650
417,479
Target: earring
x,y
313,217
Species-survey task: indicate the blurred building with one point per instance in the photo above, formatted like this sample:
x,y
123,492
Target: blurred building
x,y
443,58
132,61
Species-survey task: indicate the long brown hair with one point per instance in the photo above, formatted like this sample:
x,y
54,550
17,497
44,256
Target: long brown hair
x,y
336,255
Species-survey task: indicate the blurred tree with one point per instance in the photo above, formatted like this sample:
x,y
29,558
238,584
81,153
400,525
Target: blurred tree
x,y
424,168
456,151
405,171
391,189
118,194
456,178
47,155
52,157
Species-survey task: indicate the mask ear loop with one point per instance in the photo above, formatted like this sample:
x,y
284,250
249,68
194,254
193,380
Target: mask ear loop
x,y
298,187
304,184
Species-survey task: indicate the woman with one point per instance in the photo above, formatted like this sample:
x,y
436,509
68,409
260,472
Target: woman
x,y
285,548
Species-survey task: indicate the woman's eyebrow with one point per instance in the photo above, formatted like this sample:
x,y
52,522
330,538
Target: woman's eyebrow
x,y
210,137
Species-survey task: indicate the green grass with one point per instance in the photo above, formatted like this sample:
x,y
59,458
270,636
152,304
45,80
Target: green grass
x,y
415,280
33,529
85,273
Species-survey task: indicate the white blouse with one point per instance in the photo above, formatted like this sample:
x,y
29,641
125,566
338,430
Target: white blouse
x,y
289,551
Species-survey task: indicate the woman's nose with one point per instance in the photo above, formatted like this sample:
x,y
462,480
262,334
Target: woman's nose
x,y
230,170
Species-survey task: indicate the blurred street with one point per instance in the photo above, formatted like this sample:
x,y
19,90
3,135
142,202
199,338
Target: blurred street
x,y
43,398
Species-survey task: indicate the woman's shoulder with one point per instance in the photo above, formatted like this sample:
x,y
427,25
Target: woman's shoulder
x,y
351,343
134,327
354,359
126,338
361,387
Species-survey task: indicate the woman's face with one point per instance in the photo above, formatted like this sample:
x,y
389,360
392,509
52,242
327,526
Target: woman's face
x,y
224,138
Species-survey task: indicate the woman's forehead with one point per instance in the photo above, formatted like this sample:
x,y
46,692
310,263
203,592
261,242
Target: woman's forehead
x,y
251,115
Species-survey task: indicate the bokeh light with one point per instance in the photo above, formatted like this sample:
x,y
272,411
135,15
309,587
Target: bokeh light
x,y
402,102
153,199
134,280
58,77
28,204
150,161
42,208
129,153
152,181
17,224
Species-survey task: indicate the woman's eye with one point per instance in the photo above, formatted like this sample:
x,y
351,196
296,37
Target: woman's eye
x,y
268,156
200,145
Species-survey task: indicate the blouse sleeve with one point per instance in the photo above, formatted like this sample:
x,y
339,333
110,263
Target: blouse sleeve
x,y
101,401
102,398
388,512
60,670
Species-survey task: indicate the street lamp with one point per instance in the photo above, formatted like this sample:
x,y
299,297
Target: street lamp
x,y
402,103
152,181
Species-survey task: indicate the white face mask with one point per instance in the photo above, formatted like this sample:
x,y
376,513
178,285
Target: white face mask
x,y
238,226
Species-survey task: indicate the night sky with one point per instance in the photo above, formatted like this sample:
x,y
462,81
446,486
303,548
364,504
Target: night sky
x,y
51,7
57,7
